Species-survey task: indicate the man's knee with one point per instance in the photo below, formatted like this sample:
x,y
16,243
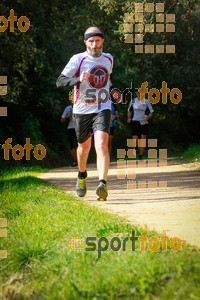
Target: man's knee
x,y
83,148
102,145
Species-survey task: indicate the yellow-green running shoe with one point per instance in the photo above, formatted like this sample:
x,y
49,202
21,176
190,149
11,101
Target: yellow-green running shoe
x,y
81,188
102,192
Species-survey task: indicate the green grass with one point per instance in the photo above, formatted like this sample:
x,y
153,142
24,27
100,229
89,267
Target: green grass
x,y
40,264
192,153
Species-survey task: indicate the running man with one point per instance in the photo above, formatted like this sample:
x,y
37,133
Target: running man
x,y
90,73
139,120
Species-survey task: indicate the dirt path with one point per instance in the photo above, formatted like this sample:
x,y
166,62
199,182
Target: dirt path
x,y
175,209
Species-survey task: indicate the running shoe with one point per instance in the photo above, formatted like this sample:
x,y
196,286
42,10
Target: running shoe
x,y
102,192
81,187
74,164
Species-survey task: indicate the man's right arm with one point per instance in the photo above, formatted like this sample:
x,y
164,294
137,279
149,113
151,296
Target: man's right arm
x,y
65,115
64,81
129,113
68,76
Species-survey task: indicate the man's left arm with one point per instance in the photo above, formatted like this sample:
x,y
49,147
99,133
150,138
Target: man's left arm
x,y
150,115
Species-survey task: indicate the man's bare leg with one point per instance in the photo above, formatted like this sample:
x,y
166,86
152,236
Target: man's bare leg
x,y
143,137
103,157
82,154
135,142
110,143
103,160
135,137
73,154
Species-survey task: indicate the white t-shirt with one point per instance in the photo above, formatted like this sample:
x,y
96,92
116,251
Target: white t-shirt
x,y
139,109
67,110
94,95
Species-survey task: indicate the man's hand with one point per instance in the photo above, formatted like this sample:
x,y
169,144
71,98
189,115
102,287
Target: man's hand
x,y
62,120
84,76
129,120
147,117
69,114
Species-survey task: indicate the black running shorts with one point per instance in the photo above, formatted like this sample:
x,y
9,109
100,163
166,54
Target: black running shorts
x,y
71,138
112,129
138,129
86,124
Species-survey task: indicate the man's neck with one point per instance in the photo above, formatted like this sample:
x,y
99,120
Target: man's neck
x,y
94,56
